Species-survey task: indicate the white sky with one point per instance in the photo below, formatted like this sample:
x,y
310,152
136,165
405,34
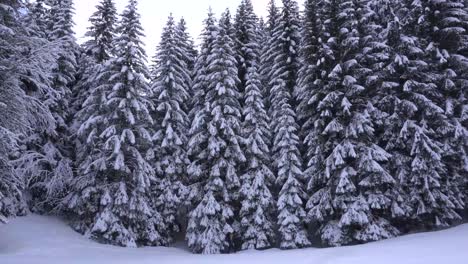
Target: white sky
x,y
154,14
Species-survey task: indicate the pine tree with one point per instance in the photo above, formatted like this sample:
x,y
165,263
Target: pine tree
x,y
188,54
101,33
94,53
46,162
445,32
410,101
246,40
25,62
171,95
267,52
197,113
12,111
112,199
186,44
257,200
211,226
38,17
348,179
287,158
307,76
381,190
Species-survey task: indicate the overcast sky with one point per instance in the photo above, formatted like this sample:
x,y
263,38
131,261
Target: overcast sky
x,y
154,14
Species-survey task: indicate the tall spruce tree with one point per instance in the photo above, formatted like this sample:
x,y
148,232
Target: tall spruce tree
x,y
257,226
94,53
255,194
171,96
112,198
197,113
186,43
211,227
246,40
12,111
287,158
267,52
349,181
410,99
445,33
38,17
307,76
188,54
26,65
46,163
101,33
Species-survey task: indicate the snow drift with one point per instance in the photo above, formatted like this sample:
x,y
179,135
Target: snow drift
x,y
47,240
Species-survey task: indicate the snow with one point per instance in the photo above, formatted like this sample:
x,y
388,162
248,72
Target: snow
x,y
47,240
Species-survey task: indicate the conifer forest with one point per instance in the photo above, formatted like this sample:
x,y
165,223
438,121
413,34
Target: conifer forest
x,y
326,123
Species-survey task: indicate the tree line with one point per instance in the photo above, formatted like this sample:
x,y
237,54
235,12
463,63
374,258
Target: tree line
x,y
341,124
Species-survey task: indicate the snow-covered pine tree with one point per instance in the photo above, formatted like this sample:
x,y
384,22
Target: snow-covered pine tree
x,y
267,56
247,35
261,33
211,227
308,76
228,24
380,189
349,181
186,44
170,89
112,198
94,53
101,33
188,55
197,115
257,210
409,98
282,76
379,83
12,112
46,163
38,17
257,201
446,34
25,64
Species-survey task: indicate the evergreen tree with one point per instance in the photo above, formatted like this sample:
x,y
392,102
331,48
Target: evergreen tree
x,y
211,226
197,114
257,227
186,43
94,54
13,118
171,95
287,159
25,67
410,99
112,199
307,76
46,162
267,53
246,40
101,33
38,17
256,197
349,182
445,31
188,54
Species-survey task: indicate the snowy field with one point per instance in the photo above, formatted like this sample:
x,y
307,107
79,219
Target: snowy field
x,y
46,240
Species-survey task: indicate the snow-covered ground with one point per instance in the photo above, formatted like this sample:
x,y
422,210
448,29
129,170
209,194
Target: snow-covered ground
x,y
46,240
